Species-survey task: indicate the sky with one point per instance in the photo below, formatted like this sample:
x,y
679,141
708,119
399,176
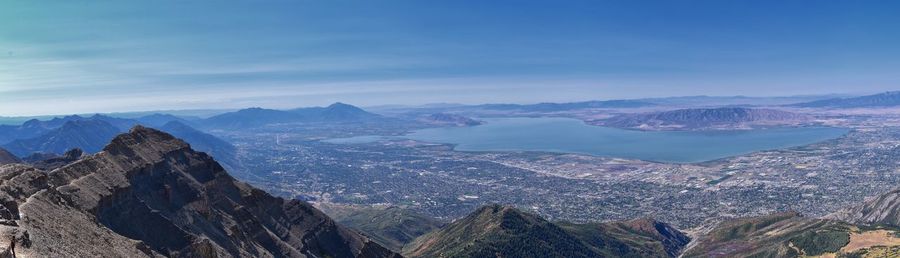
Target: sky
x,y
62,57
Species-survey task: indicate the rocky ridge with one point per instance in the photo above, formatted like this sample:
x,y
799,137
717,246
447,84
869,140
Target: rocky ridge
x,y
148,194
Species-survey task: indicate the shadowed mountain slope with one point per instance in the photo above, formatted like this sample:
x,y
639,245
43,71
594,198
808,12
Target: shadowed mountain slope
x,y
392,227
7,158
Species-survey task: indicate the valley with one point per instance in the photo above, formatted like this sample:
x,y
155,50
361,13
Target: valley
x,y
400,190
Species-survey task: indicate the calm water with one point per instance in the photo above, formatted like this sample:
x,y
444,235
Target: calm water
x,y
573,136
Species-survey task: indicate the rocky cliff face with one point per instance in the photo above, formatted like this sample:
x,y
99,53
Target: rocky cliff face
x,y
148,194
882,210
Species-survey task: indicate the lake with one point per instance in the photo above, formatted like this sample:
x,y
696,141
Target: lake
x,y
566,135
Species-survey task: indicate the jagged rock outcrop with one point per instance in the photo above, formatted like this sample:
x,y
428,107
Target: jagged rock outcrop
x,y
221,150
148,194
53,162
8,158
881,210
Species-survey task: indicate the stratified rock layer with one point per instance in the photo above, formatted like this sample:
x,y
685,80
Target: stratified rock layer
x,y
881,210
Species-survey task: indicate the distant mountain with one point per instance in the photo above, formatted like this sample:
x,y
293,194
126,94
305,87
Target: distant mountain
x,y
123,124
881,210
335,112
391,227
447,119
157,119
89,135
553,107
32,128
698,118
92,133
149,194
250,117
498,231
256,117
8,158
711,101
887,99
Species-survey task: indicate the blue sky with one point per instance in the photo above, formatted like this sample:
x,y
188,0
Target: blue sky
x,y
102,56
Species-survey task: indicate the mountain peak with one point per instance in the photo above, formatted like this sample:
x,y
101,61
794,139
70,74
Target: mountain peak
x,y
140,137
340,104
494,230
504,231
344,107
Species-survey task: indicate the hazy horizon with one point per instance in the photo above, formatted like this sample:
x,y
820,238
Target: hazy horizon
x,y
74,58
286,106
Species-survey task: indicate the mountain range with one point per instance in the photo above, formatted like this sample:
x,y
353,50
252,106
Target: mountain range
x,y
148,194
32,128
700,118
886,99
87,134
90,134
555,107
